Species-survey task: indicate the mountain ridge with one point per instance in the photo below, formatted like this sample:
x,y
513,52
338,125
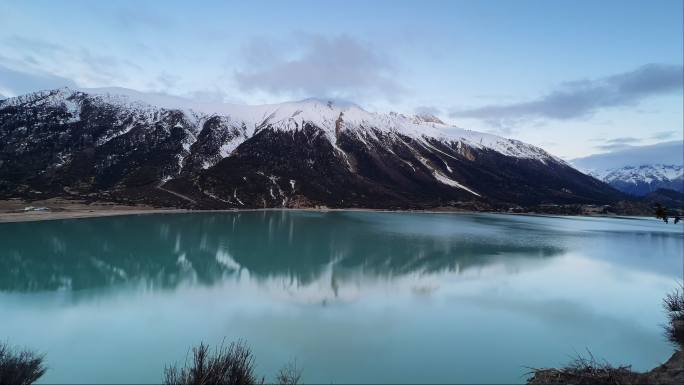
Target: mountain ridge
x,y
294,154
643,179
639,170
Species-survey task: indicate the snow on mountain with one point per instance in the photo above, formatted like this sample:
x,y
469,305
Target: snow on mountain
x,y
641,180
331,116
157,149
643,173
638,170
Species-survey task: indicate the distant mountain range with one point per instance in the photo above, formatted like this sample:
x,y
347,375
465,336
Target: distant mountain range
x,y
138,148
639,170
644,179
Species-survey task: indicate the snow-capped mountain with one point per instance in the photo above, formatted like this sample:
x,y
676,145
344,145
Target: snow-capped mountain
x,y
168,151
638,170
641,180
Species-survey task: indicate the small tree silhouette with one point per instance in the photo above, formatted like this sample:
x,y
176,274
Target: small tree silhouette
x,y
661,212
289,375
20,367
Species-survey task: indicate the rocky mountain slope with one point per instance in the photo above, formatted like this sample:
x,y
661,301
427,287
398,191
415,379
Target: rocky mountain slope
x,y
644,179
109,147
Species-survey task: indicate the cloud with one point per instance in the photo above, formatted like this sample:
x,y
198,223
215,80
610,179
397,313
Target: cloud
x,y
624,140
138,17
618,143
14,82
427,110
659,153
168,80
315,65
661,135
613,146
578,99
71,65
78,64
261,50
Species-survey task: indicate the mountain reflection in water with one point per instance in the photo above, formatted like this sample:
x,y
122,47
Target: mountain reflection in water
x,y
164,251
353,297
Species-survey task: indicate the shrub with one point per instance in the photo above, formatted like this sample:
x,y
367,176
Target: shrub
x,y
674,306
289,375
585,371
20,367
231,365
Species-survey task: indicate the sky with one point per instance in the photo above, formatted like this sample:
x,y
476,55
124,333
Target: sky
x,y
574,77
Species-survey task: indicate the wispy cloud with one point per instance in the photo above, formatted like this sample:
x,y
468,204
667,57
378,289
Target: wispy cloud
x,y
14,82
582,98
64,65
664,152
427,110
128,17
316,65
624,140
618,143
660,135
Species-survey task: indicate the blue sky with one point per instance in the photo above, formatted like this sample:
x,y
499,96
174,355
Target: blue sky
x,y
575,77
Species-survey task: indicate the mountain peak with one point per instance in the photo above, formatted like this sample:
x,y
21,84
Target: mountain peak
x,y
428,118
292,154
329,102
330,116
644,178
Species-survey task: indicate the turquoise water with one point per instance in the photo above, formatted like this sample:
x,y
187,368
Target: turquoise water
x,y
351,296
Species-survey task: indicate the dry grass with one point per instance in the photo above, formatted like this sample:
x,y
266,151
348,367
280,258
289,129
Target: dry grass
x,y
20,367
226,365
289,375
674,307
586,371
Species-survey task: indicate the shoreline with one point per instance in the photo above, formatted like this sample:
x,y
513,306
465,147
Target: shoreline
x,y
12,211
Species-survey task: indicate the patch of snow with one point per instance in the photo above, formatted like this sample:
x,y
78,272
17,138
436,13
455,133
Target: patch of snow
x,y
227,148
180,158
413,168
441,177
447,166
236,197
450,182
215,197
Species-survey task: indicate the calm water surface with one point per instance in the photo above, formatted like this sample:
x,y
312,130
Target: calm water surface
x,y
351,296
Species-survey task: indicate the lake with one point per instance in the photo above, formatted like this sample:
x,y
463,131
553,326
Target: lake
x,y
350,296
